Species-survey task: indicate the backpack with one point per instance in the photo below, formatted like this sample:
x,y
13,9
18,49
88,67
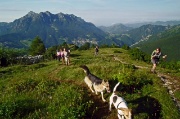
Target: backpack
x,y
97,49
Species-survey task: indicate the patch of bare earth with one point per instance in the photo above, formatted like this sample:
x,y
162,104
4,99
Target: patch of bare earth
x,y
100,109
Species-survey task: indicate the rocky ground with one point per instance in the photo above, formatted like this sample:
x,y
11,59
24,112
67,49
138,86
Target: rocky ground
x,y
172,84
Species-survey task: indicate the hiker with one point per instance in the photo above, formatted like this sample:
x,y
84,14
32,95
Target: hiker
x,y
66,56
96,50
58,54
155,57
62,55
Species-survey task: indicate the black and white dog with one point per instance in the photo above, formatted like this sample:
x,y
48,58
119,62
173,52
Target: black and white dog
x,y
120,104
98,84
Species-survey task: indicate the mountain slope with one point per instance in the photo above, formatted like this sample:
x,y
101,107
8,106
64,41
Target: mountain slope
x,y
116,29
52,28
138,34
168,41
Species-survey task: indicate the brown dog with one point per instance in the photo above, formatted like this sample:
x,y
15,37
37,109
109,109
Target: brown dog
x,y
98,84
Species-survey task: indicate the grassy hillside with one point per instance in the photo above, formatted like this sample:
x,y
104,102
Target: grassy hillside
x,y
51,90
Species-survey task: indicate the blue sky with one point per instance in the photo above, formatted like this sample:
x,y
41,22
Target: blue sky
x,y
98,12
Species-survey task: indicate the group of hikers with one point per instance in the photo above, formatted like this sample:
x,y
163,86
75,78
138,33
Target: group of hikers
x,y
64,54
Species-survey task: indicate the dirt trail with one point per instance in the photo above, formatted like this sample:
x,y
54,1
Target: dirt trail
x,y
99,109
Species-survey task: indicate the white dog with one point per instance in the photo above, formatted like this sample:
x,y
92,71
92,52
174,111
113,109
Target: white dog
x,y
120,104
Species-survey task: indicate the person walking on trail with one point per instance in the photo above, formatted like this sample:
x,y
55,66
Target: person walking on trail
x,y
155,57
96,50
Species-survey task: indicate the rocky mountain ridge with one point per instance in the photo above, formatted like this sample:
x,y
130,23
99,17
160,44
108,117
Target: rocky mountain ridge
x,y
53,29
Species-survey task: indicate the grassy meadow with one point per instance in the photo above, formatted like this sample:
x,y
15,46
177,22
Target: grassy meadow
x,y
52,90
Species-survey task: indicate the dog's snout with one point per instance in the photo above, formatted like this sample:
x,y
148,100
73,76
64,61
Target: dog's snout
x,y
108,90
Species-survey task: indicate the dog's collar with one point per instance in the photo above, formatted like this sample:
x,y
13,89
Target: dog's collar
x,y
119,104
117,108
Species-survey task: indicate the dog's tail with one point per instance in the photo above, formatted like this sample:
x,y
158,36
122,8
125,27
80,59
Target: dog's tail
x,y
86,69
116,87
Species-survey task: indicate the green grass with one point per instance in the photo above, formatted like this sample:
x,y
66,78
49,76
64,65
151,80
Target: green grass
x,y
50,90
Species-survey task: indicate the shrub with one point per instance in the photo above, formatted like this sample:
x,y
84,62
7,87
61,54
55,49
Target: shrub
x,y
137,54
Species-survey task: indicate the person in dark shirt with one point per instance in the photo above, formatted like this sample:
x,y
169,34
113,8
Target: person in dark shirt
x,y
96,50
155,57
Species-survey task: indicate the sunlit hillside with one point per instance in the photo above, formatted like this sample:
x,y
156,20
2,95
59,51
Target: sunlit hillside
x,y
52,90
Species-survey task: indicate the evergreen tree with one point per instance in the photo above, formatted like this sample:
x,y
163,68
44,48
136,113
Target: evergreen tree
x,y
37,47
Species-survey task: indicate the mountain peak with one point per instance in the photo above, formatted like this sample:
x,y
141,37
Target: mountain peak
x,y
31,13
53,28
46,13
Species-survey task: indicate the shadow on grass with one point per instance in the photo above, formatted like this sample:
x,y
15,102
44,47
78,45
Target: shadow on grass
x,y
4,72
148,105
98,109
131,88
19,108
74,55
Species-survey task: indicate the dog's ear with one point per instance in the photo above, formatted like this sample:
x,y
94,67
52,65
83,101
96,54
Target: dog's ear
x,y
127,112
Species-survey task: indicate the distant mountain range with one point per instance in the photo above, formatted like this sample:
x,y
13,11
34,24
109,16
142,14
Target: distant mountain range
x,y
168,41
162,23
121,28
133,36
116,29
149,37
54,29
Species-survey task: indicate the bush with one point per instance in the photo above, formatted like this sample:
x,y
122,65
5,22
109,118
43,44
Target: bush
x,y
170,65
137,54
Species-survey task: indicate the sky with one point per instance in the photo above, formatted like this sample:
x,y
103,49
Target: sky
x,y
98,12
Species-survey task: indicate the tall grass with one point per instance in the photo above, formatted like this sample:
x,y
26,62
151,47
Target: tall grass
x,y
51,90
